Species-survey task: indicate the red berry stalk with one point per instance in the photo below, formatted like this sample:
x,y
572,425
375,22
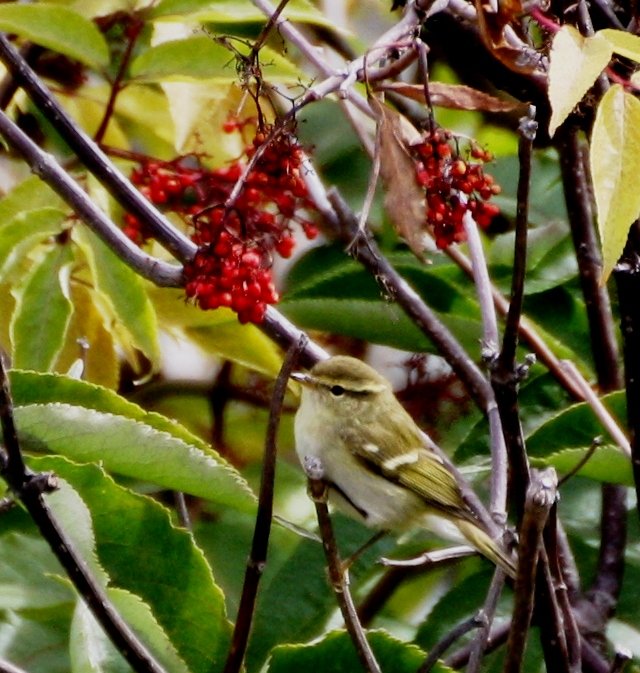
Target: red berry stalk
x,y
454,185
237,242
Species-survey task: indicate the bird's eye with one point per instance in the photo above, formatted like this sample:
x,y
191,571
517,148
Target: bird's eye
x,y
336,391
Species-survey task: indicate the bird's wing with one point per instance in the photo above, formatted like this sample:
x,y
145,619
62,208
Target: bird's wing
x,y
418,469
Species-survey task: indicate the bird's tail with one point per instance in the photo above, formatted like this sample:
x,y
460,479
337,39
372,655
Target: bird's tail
x,y
488,547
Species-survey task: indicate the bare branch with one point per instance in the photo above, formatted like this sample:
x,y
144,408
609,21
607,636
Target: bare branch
x,y
540,497
93,157
30,489
262,530
47,169
338,576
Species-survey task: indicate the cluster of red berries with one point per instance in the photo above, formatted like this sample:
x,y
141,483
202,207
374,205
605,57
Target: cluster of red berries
x,y
237,238
453,185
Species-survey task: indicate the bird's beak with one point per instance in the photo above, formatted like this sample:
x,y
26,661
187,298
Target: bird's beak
x,y
303,378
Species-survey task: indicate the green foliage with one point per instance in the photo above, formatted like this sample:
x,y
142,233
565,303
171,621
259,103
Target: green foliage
x,y
119,464
335,653
138,445
61,29
201,58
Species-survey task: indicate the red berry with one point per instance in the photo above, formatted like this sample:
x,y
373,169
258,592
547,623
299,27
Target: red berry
x,y
285,246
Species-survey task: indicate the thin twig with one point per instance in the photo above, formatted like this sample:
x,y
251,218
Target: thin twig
x,y
430,558
30,489
540,497
595,445
337,575
8,667
262,530
353,71
505,376
182,509
569,625
133,33
497,638
498,494
477,621
398,571
93,157
284,333
489,612
47,169
527,133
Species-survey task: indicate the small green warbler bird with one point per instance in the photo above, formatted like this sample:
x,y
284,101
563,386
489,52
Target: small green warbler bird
x,y
351,430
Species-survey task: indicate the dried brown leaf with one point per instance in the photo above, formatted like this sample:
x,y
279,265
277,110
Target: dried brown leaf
x,y
453,96
404,199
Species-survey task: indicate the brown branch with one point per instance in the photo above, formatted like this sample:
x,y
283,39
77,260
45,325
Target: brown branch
x,y
92,156
477,621
338,576
48,170
540,497
505,375
262,529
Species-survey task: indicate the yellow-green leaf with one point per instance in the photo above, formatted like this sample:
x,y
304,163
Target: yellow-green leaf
x,y
622,43
217,332
575,63
236,12
58,28
199,57
122,297
43,311
615,166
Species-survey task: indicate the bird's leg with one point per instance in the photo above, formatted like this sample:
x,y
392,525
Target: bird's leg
x,y
350,560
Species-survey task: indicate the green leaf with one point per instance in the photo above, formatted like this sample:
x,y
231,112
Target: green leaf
x,y
36,388
197,463
573,428
91,650
335,653
132,449
146,555
463,599
217,332
328,291
615,166
22,232
32,191
236,11
551,258
26,569
58,28
124,293
199,57
37,640
575,63
607,464
623,43
43,311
